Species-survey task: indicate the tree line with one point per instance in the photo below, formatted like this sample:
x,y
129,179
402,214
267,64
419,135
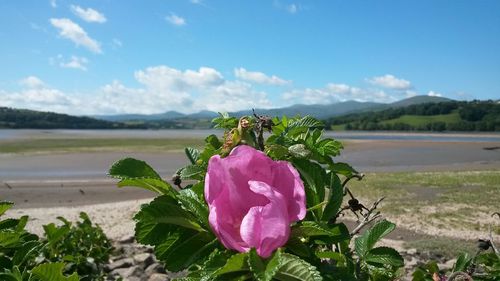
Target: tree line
x,y
473,116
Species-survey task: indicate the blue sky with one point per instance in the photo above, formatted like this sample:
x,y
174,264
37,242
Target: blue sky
x,y
110,56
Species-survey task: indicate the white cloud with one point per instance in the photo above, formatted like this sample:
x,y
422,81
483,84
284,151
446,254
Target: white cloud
x,y
37,95
88,15
32,82
333,93
434,94
259,77
72,31
175,19
76,63
53,3
391,82
161,89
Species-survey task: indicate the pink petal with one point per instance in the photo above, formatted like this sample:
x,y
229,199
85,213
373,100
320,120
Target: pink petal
x,y
271,221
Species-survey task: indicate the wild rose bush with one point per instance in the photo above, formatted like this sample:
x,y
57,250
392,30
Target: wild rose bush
x,y
250,208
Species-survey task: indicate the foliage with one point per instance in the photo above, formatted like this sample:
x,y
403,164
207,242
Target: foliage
x,y
176,222
443,116
22,118
67,253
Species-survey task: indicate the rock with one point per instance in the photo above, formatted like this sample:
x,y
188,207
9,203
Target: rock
x,y
126,239
118,264
130,272
158,277
412,251
154,268
144,259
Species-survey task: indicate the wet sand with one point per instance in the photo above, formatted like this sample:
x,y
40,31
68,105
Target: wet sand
x,y
72,179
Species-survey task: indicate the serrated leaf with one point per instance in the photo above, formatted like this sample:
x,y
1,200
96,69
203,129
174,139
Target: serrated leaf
x,y
236,265
185,249
328,147
4,206
52,272
156,185
384,256
367,240
335,197
343,169
194,172
297,247
132,168
214,141
299,151
306,121
192,154
193,204
321,232
336,256
294,268
162,215
264,270
314,178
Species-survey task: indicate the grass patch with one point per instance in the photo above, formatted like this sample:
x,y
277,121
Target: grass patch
x,y
458,199
97,144
442,246
420,120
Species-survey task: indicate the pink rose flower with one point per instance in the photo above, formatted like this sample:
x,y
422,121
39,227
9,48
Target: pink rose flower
x,y
252,200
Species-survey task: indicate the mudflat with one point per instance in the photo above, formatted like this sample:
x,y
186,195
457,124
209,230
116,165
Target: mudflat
x,y
80,178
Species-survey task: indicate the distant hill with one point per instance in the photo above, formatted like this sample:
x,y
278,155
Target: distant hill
x,y
320,111
30,119
419,100
141,117
447,115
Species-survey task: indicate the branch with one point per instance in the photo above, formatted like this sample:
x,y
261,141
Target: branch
x,y
370,216
495,249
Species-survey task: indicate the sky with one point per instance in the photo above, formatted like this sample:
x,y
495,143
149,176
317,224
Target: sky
x,y
115,57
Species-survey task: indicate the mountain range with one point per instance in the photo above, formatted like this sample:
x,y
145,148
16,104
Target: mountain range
x,y
320,111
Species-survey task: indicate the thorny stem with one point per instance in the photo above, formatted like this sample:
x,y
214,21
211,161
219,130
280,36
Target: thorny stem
x,y
370,216
358,176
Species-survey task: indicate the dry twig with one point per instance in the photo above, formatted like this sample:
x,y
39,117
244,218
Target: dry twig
x,y
369,217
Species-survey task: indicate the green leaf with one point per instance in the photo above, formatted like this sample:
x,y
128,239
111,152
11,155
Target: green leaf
x,y
306,121
54,234
463,261
192,154
343,169
161,216
193,204
296,246
263,270
236,265
194,172
328,147
335,197
367,240
294,268
52,272
336,256
214,141
314,178
299,151
384,256
4,206
181,249
132,168
156,185
335,232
